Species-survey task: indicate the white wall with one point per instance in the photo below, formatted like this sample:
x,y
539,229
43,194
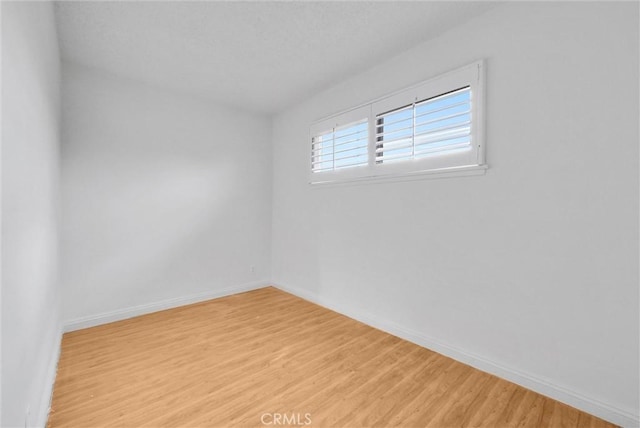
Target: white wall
x,y
530,271
163,195
30,148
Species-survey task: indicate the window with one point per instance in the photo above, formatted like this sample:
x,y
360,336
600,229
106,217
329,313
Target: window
x,y
433,127
437,125
341,147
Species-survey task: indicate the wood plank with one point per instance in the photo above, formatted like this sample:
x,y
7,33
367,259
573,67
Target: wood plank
x,y
229,361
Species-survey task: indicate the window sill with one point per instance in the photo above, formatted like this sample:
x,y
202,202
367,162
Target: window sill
x,y
462,171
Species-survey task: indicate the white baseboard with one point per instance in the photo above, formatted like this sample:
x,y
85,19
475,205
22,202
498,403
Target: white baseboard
x,y
121,314
544,387
42,414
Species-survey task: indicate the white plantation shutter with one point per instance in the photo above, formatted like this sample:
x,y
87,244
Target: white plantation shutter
x,y
341,147
432,127
436,125
443,123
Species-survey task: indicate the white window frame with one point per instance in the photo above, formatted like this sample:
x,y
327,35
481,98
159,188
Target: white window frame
x,y
459,163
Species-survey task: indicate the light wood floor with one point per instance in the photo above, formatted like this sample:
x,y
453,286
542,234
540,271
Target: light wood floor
x,y
238,360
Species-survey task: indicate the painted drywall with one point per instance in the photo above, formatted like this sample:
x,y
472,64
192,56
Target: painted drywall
x,y
31,325
533,267
261,56
164,195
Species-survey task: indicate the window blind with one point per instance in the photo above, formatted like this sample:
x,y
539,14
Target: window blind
x,y
433,127
436,125
340,147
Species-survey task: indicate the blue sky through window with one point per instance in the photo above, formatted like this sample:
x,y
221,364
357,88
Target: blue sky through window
x,y
342,147
442,123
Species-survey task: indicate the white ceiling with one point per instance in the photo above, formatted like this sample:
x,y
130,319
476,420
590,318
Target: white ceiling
x,y
263,56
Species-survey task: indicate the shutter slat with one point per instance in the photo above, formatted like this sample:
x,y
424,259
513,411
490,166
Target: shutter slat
x,y
364,161
444,97
340,139
445,130
439,119
331,143
448,147
407,128
452,138
443,108
342,147
350,141
395,111
364,146
393,145
360,131
314,158
395,157
349,157
320,162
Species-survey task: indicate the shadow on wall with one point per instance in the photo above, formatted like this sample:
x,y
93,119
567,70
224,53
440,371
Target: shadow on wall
x,y
181,203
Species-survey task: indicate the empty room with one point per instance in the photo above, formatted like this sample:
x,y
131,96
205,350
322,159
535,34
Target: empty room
x,y
320,214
